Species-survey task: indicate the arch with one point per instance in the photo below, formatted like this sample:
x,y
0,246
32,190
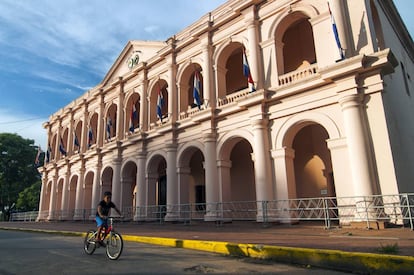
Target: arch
x,y
222,47
226,143
153,158
306,9
292,125
127,161
106,179
186,86
183,150
129,187
162,86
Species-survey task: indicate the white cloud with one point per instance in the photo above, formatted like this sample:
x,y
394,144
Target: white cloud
x,y
24,125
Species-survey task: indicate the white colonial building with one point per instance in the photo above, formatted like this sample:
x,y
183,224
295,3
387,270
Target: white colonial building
x,y
316,126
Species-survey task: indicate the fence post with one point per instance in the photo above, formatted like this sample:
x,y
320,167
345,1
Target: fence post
x,y
409,211
327,218
264,211
366,212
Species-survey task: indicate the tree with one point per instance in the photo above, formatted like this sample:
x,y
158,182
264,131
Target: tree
x,y
28,199
17,168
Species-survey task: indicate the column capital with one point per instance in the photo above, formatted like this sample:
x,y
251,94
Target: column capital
x,y
224,163
285,152
349,101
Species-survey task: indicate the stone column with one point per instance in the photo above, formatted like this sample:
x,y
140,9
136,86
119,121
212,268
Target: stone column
x,y
224,191
141,196
172,91
120,127
85,124
144,102
360,162
342,24
254,51
211,173
184,174
70,139
96,187
58,136
42,215
172,186
261,151
100,133
52,202
65,194
357,144
116,183
209,96
79,207
285,183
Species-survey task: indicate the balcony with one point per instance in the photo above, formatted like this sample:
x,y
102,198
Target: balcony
x,y
298,75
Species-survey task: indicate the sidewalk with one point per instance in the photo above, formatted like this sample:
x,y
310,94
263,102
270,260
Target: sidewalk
x,y
305,243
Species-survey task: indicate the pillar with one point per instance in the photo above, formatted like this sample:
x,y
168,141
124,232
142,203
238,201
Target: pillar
x,y
253,49
116,183
65,194
209,96
140,199
100,133
172,186
211,173
357,144
264,188
285,184
359,160
79,207
42,215
52,202
120,127
342,24
96,187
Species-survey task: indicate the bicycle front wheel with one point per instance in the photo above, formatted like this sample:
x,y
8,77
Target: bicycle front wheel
x,y
114,245
89,243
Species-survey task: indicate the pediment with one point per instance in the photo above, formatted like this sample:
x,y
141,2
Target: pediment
x,y
135,52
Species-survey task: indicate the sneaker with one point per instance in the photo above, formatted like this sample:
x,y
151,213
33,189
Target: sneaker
x,y
101,243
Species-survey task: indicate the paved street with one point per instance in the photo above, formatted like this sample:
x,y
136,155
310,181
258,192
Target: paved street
x,y
39,253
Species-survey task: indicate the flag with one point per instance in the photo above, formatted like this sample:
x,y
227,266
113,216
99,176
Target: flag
x,y
134,115
90,137
39,151
247,74
108,128
335,31
48,152
62,148
160,104
196,90
76,141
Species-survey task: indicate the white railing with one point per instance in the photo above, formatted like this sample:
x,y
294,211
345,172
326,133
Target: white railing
x,y
189,113
392,209
298,75
232,97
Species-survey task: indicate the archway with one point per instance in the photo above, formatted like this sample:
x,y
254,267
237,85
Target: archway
x,y
128,189
312,163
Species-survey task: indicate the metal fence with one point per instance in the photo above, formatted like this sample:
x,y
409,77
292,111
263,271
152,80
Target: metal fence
x,y
331,211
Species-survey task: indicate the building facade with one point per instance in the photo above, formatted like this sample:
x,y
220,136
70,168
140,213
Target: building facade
x,y
320,112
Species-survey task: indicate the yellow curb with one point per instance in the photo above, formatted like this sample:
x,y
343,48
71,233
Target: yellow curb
x,y
332,259
325,258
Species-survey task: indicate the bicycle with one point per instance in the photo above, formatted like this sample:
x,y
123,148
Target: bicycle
x,y
113,241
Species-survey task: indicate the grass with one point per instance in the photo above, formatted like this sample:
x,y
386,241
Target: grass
x,y
389,249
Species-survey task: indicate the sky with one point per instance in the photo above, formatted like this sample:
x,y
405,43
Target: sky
x,y
52,52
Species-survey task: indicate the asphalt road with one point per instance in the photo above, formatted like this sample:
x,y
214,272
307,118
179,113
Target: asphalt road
x,y
36,253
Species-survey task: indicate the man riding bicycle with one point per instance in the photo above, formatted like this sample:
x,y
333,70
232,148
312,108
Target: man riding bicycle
x,y
102,215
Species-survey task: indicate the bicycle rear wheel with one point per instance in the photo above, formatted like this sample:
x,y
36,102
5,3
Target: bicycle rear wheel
x,y
114,245
89,243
